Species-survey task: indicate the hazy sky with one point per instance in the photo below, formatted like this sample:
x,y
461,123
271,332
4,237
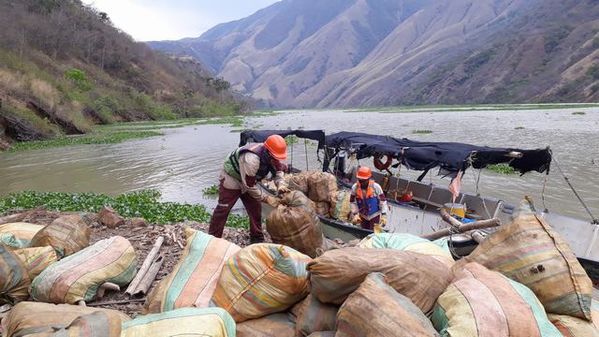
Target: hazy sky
x,y
174,19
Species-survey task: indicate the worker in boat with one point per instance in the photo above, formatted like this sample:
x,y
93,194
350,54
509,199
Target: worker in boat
x,y
368,201
242,170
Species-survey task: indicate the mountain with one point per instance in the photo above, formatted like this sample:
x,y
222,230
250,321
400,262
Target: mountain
x,y
347,53
65,67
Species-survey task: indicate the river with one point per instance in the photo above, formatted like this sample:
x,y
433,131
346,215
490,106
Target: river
x,y
185,160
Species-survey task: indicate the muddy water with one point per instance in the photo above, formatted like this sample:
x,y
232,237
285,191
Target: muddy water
x,y
184,161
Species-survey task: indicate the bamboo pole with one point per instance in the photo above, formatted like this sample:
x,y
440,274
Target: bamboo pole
x,y
458,227
463,228
145,266
148,279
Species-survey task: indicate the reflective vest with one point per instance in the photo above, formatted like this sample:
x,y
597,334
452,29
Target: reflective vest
x,y
232,161
367,204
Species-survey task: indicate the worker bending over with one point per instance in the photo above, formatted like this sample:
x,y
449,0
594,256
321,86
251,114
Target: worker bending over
x,y
242,170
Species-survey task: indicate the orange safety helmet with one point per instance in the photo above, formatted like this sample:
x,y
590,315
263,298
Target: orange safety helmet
x,y
364,172
276,146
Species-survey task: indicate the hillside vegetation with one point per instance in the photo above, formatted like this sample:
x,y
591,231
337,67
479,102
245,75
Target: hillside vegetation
x,y
351,53
64,67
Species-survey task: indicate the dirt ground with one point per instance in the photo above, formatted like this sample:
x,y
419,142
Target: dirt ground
x,y
142,238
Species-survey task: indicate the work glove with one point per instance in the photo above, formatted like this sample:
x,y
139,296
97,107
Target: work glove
x,y
383,221
283,189
272,201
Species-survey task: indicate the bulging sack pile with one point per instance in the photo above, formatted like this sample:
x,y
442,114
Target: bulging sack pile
x,y
14,278
377,310
341,206
323,208
314,316
68,234
36,259
43,319
18,234
298,181
481,303
275,325
529,251
213,322
193,280
322,187
78,277
293,223
337,273
262,279
408,243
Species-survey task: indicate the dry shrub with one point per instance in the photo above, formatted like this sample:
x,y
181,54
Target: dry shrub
x,y
47,95
11,82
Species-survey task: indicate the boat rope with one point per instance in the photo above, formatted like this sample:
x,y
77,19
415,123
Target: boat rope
x,y
306,151
291,141
543,193
594,220
478,181
484,202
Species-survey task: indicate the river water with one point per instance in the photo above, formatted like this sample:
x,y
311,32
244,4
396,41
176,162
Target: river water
x,y
185,160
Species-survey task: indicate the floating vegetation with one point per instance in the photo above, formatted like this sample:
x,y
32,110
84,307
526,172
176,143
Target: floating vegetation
x,y
501,169
422,132
145,204
211,190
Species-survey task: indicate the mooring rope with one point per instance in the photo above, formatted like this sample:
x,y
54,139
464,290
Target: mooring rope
x,y
594,220
306,149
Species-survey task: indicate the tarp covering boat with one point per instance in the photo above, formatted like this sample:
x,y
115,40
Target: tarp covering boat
x,y
260,136
450,157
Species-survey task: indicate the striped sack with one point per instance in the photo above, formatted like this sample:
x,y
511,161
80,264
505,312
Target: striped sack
x,y
36,259
295,224
193,280
529,251
323,334
68,234
213,322
337,273
574,327
312,316
377,310
18,234
408,243
43,319
275,325
14,279
483,303
78,277
262,279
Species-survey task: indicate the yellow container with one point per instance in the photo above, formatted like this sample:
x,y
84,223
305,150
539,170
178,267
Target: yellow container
x,y
456,209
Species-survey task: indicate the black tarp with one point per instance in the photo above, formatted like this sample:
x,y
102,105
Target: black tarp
x,y
260,136
450,157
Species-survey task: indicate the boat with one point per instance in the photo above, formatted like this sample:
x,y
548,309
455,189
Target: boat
x,y
421,216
